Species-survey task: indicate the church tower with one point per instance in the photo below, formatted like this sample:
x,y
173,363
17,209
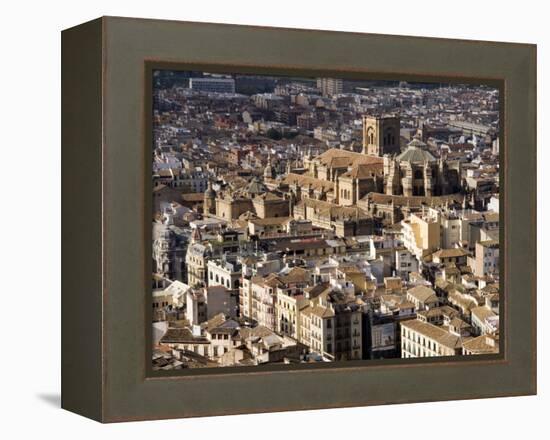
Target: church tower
x,y
210,200
269,172
381,135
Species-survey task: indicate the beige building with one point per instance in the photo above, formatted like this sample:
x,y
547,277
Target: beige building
x,y
291,296
230,207
421,339
245,298
263,300
331,325
486,259
484,320
240,198
270,226
484,344
392,209
268,205
423,297
196,259
195,307
303,186
337,176
225,272
360,180
161,300
421,234
457,256
274,300
315,248
344,221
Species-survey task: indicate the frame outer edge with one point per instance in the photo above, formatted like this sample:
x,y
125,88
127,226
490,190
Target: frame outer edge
x,y
128,396
81,214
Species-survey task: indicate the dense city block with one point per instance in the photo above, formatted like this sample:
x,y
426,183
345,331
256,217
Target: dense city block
x,y
302,220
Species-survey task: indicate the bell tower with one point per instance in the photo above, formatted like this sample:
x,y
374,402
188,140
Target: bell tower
x,y
381,135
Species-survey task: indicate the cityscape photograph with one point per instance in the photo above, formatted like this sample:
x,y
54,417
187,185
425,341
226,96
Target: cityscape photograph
x,y
314,220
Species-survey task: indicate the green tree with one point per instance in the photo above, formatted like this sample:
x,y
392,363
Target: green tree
x,y
274,134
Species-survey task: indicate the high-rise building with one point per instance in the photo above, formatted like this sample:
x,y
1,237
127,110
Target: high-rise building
x,y
330,86
218,85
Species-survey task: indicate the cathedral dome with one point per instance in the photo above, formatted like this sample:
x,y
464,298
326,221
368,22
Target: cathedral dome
x,y
255,187
416,153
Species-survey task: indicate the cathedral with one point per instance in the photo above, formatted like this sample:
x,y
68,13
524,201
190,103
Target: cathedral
x,y
343,178
416,172
382,167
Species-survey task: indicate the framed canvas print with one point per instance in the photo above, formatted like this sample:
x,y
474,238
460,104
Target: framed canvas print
x,y
263,219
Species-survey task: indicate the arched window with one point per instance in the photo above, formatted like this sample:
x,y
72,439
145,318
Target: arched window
x,y
389,137
370,135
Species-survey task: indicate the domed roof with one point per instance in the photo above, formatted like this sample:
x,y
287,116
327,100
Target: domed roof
x,y
416,153
256,187
416,142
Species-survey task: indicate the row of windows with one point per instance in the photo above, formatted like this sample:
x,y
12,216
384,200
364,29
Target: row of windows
x,y
415,337
345,194
422,343
156,305
419,352
195,260
224,281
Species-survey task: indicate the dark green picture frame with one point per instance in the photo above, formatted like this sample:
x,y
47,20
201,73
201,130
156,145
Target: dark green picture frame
x,y
106,196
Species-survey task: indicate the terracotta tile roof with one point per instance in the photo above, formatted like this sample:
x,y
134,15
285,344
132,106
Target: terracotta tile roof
x,y
434,332
303,181
337,158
